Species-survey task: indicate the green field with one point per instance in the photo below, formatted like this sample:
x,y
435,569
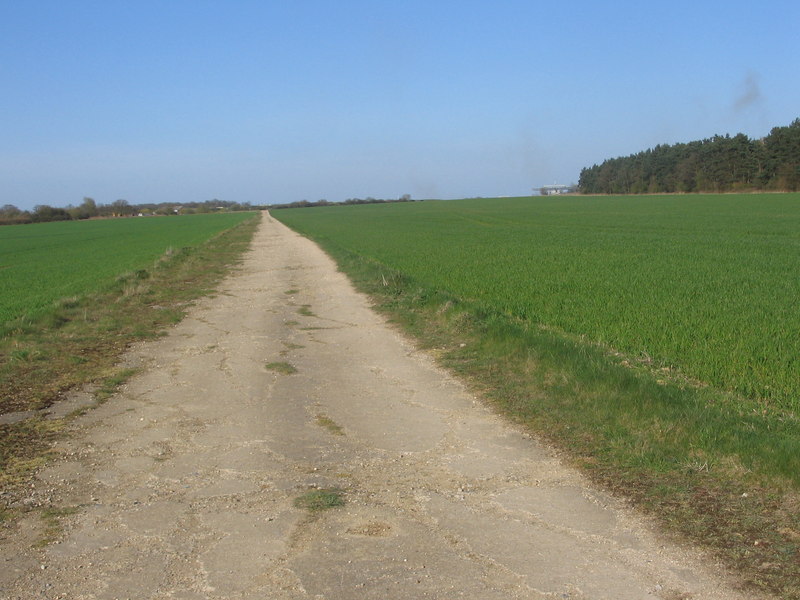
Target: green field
x,y
706,286
40,264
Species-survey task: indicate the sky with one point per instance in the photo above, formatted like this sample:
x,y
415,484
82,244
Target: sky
x,y
279,101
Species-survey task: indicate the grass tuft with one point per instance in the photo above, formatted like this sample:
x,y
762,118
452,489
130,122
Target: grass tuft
x,y
305,310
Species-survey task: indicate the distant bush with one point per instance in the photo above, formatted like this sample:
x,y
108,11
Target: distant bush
x,y
44,213
11,215
348,202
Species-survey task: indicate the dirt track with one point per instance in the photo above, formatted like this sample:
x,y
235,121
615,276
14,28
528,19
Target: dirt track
x,y
185,481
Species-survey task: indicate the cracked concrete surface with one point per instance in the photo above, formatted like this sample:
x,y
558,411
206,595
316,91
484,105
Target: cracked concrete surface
x,y
185,480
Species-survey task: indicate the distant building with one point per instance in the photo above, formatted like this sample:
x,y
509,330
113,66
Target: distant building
x,y
556,190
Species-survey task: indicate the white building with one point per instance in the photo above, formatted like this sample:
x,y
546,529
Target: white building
x,y
555,190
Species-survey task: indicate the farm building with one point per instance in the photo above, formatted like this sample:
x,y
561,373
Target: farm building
x,y
555,190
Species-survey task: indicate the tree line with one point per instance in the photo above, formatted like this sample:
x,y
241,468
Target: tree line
x,y
88,209
349,201
716,164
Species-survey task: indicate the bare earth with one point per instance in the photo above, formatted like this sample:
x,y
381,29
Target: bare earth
x,y
184,482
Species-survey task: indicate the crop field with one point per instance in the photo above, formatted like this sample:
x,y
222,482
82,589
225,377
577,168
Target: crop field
x,y
705,286
40,264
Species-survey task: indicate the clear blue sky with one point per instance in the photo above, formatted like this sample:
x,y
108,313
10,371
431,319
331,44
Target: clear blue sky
x,y
277,101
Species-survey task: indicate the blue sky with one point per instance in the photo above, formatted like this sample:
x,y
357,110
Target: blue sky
x,y
268,101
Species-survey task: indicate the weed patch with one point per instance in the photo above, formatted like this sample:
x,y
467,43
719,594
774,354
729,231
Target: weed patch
x,y
289,346
319,500
112,383
329,424
24,447
284,368
53,528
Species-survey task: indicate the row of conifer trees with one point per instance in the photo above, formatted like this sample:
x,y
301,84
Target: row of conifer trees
x,y
717,164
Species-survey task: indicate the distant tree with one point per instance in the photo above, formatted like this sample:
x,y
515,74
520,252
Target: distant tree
x,y
86,210
89,207
121,208
782,158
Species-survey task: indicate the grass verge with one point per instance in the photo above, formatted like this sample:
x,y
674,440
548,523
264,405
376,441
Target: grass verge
x,y
717,469
81,339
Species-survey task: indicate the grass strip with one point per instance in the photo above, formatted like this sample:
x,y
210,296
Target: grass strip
x,y
715,468
81,339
